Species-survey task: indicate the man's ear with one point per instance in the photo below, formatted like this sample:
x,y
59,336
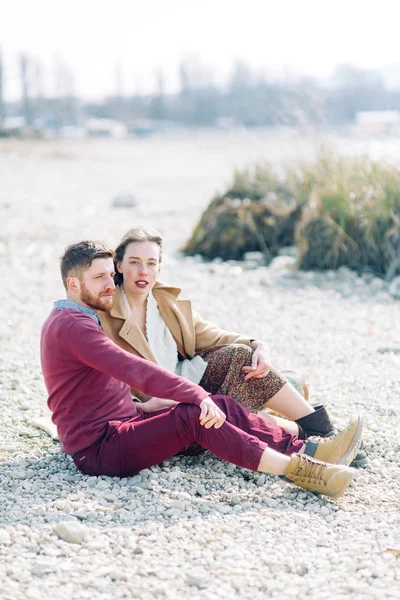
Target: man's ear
x,y
73,284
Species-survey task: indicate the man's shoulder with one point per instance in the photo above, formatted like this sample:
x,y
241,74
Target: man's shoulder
x,y
67,329
76,315
68,318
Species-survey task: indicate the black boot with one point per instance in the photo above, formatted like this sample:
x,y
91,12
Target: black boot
x,y
318,423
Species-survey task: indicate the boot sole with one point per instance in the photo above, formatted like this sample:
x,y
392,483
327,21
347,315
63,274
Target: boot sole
x,y
349,479
352,450
344,487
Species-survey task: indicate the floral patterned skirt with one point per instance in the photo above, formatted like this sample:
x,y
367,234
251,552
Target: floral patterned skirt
x,y
224,376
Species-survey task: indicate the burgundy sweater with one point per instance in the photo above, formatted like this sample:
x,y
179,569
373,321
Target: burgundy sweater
x,y
88,379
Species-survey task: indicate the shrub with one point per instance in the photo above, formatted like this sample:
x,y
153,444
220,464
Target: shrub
x,y
338,211
257,212
352,218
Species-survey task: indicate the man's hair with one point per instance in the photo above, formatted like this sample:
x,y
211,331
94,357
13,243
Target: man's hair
x,y
78,257
137,234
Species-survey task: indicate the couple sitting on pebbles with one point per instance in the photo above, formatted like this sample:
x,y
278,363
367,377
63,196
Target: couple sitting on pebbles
x,y
192,382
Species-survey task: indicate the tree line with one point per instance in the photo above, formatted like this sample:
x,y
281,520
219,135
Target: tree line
x,y
248,98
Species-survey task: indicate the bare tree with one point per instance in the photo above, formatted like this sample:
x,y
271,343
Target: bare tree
x,y
242,77
24,63
157,105
118,98
119,79
64,88
37,95
193,74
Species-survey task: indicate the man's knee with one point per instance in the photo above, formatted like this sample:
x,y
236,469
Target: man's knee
x,y
228,405
187,413
186,408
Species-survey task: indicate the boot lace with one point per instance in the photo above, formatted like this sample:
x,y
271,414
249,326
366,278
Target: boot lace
x,y
310,470
322,440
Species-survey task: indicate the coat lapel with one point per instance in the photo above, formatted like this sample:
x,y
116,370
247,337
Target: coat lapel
x,y
130,331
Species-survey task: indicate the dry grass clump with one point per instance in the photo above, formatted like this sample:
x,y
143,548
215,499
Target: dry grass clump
x,y
352,217
338,211
257,213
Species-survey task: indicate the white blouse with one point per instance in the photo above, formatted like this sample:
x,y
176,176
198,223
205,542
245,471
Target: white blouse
x,y
163,345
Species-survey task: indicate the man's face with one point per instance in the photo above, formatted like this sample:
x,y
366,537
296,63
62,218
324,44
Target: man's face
x,y
97,284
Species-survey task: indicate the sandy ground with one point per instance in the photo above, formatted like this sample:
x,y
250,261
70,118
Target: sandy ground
x,y
191,528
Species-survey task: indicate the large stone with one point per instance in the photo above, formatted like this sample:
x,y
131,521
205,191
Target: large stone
x,y
255,259
387,350
197,581
124,201
282,262
394,288
5,538
71,532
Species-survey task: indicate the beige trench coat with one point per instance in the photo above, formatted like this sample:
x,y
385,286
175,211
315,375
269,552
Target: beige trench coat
x,y
190,332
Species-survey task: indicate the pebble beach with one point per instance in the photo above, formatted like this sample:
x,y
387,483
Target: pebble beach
x,y
192,527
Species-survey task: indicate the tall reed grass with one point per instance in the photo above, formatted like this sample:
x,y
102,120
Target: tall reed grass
x,y
337,211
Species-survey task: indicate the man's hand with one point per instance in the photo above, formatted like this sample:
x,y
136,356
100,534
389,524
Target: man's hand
x,y
154,404
211,415
260,363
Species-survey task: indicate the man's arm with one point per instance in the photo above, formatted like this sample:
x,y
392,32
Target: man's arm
x,y
211,415
90,345
154,404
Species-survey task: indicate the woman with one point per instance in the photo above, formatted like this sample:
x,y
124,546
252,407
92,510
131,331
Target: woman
x,y
149,319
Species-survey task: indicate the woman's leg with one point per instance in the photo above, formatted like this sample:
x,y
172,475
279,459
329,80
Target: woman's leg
x,y
224,375
289,403
290,426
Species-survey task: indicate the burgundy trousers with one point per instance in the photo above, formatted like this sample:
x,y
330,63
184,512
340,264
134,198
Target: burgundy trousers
x,y
147,439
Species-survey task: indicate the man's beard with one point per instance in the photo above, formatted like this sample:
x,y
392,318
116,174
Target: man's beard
x,y
98,302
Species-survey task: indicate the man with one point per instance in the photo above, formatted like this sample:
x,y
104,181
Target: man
x,y
88,379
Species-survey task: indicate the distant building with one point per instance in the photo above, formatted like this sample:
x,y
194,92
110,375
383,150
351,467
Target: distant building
x,y
12,126
105,128
378,121
72,132
148,127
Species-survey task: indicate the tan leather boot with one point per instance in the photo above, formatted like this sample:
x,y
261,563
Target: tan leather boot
x,y
339,449
319,477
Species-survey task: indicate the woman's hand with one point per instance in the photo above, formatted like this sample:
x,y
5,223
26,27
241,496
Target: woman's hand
x,y
154,404
260,362
211,415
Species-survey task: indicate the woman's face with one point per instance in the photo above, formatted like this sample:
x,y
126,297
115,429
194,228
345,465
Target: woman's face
x,y
140,267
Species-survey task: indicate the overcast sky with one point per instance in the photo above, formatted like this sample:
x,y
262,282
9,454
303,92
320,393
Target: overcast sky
x,y
92,36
